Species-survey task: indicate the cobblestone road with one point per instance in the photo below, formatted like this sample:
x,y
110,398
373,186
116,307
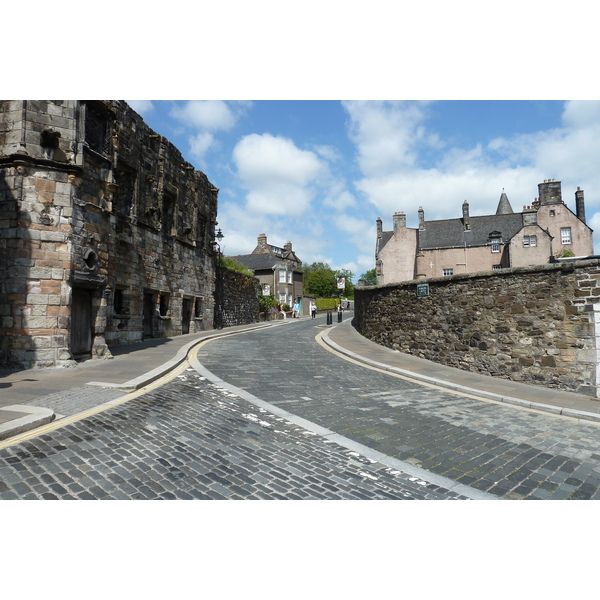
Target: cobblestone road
x,y
506,451
193,439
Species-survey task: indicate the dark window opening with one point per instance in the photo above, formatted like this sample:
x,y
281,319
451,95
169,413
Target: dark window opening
x,y
163,306
123,198
97,128
168,212
198,309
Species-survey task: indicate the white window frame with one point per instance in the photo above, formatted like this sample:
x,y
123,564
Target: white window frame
x,y
282,276
289,276
447,272
529,241
495,244
565,236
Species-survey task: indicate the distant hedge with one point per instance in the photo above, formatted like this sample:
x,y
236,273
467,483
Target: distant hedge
x,y
327,303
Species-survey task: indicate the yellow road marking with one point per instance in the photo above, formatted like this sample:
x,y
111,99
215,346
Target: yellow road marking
x,y
438,387
97,409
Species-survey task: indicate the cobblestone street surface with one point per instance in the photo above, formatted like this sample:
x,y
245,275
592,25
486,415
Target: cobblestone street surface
x,y
506,451
351,433
192,439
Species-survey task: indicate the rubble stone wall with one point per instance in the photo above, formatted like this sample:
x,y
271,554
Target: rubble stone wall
x,y
536,325
241,294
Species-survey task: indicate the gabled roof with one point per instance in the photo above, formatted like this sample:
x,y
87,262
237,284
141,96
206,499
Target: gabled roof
x,y
451,233
386,236
264,260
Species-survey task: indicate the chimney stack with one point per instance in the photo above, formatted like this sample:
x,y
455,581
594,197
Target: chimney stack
x,y
579,204
550,192
399,220
466,219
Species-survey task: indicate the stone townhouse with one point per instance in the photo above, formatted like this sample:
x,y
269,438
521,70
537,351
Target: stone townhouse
x,y
106,233
278,270
470,244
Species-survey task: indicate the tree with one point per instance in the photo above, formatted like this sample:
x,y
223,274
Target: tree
x,y
321,280
349,286
321,283
370,276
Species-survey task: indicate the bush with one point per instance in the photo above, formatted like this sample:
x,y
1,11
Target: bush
x,y
327,303
234,265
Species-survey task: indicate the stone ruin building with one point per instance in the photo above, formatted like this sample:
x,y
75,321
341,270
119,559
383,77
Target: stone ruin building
x,y
106,233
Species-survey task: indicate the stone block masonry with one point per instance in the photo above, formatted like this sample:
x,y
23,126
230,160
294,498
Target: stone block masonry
x,y
105,233
535,325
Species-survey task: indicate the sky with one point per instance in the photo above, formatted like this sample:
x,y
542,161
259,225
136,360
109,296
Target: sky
x,y
319,173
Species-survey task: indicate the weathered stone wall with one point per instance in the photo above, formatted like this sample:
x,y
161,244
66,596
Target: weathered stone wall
x,y
240,299
105,233
531,324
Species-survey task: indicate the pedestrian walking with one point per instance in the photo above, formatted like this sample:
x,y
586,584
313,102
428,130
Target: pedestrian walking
x,y
313,309
296,310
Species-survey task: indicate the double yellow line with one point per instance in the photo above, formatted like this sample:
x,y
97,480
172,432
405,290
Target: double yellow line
x,y
97,409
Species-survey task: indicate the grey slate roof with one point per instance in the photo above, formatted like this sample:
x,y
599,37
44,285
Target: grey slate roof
x,y
259,262
504,207
450,233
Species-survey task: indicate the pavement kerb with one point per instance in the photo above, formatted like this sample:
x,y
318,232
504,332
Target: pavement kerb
x,y
28,417
34,417
557,410
181,356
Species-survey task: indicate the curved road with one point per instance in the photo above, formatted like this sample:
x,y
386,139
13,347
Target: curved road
x,y
500,449
274,414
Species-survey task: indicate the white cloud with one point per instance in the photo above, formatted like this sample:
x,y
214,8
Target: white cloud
x,y
386,135
266,159
200,144
210,115
581,113
143,107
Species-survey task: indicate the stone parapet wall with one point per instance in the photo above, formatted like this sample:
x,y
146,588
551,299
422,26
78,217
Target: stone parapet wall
x,y
240,299
532,324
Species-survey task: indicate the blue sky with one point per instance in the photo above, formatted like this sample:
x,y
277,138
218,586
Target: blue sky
x,y
468,103
319,173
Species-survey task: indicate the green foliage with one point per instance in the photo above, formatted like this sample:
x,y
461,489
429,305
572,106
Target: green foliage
x,y
565,253
267,302
327,303
321,280
370,276
234,265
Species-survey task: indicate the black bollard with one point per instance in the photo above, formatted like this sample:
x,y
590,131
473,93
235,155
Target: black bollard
x,y
340,316
329,318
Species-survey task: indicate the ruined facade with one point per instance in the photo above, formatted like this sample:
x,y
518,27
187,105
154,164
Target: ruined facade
x,y
472,244
106,233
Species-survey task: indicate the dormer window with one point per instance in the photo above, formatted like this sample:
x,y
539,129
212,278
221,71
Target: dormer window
x,y
495,241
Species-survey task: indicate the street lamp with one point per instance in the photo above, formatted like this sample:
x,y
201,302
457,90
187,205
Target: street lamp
x,y
218,316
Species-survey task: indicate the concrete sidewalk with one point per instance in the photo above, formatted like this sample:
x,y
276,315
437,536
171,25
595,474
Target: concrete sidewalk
x,y
137,365
133,366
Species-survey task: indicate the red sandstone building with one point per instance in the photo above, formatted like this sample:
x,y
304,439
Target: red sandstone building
x,y
542,231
